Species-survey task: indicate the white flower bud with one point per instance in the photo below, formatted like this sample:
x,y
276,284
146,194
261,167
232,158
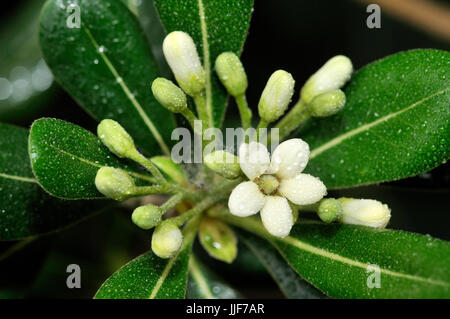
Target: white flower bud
x,y
327,104
181,55
366,212
147,217
224,164
169,95
331,76
231,73
276,96
114,183
114,137
167,239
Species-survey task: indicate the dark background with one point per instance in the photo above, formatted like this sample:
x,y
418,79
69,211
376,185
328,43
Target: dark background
x,y
298,36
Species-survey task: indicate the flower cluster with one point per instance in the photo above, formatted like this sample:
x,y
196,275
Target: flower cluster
x,y
276,187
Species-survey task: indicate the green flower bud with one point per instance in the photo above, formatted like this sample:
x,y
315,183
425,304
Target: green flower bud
x,y
224,164
331,76
367,212
167,239
329,210
147,217
231,73
181,55
114,136
276,96
327,104
169,95
114,183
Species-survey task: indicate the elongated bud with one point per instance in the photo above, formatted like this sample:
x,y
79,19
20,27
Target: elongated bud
x,y
329,210
147,217
182,57
276,96
114,136
366,212
331,76
167,239
327,104
114,183
223,163
231,73
169,95
218,239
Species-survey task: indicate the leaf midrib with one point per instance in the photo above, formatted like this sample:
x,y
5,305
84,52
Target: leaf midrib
x,y
137,175
148,122
339,139
200,279
18,178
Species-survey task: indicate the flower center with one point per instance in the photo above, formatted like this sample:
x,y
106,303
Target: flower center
x,y
268,184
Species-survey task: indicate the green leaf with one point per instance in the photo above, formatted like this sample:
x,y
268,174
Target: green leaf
x,y
107,66
66,158
26,210
216,27
292,286
151,277
203,283
218,239
340,260
395,123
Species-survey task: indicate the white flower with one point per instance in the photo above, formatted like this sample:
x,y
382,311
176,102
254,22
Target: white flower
x,y
274,181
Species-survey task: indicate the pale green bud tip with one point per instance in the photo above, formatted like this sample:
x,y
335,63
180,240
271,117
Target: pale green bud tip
x,y
331,76
329,210
147,217
231,73
181,55
367,212
114,183
166,240
224,164
114,136
169,95
276,96
327,104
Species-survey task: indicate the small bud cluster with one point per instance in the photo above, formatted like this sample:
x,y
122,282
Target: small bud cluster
x,y
321,93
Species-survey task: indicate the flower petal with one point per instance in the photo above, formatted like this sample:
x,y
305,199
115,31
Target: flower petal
x,y
246,199
290,158
276,216
254,159
304,189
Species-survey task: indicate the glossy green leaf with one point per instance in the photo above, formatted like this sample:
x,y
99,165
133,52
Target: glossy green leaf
x,y
66,158
218,239
107,66
25,209
395,123
343,261
216,26
151,277
290,283
203,283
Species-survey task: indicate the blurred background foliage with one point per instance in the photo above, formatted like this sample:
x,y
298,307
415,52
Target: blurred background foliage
x,y
298,36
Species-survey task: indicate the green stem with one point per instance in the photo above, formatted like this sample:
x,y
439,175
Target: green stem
x,y
244,110
262,124
16,247
217,194
171,202
190,116
202,111
151,190
297,116
149,166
